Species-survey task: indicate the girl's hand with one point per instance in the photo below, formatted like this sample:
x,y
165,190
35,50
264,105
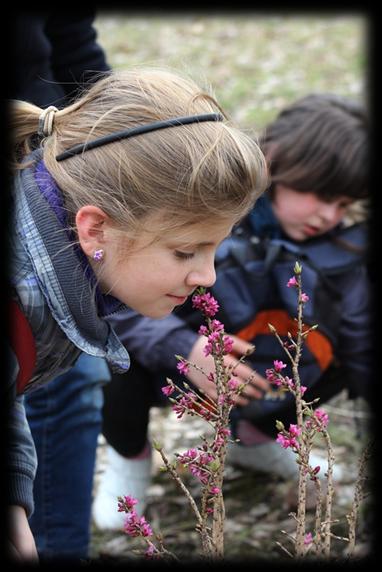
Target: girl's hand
x,y
255,389
21,544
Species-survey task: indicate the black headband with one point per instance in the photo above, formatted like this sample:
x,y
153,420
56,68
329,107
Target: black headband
x,y
118,135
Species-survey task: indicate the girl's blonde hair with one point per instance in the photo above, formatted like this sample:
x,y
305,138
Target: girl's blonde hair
x,y
191,173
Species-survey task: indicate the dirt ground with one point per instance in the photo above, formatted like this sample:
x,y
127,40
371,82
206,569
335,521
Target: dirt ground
x,y
257,513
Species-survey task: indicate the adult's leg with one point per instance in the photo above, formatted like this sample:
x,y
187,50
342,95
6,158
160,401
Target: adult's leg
x,y
126,410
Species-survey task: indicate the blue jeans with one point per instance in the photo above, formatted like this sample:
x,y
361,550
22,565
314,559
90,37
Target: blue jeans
x,y
65,418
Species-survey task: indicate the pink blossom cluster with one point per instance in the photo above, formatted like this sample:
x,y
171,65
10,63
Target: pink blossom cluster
x,y
202,461
185,404
188,402
308,539
274,376
126,503
206,303
217,342
319,420
137,525
197,462
289,438
134,524
183,367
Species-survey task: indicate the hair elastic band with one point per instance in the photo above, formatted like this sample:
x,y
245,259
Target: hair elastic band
x,y
118,135
45,121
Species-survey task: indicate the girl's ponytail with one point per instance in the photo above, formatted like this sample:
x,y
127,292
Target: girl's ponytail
x,y
23,121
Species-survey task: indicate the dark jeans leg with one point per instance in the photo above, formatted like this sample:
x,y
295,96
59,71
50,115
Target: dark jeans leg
x,y
65,420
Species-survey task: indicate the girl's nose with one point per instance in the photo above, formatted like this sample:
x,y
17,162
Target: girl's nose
x,y
205,276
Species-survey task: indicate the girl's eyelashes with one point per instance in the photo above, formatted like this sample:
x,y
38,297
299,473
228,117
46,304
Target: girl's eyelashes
x,y
183,255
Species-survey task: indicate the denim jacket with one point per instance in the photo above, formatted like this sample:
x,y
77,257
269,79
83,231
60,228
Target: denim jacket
x,y
56,290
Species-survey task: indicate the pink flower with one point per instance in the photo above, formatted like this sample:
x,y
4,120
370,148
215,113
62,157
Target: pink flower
x,y
322,417
304,297
199,473
168,390
203,331
233,384
278,365
183,367
289,382
185,403
150,551
205,458
294,430
215,490
206,304
227,344
137,526
217,326
126,503
308,538
292,282
188,456
207,350
286,442
270,375
224,431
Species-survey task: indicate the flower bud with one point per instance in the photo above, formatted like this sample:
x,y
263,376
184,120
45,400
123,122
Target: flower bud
x,y
157,446
214,465
297,268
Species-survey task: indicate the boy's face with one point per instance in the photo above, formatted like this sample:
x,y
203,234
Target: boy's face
x,y
305,215
158,275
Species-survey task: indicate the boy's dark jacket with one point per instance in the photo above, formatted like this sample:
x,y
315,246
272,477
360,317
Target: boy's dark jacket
x,y
253,268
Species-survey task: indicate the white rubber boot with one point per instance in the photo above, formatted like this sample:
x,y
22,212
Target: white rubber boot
x,y
122,477
272,458
266,457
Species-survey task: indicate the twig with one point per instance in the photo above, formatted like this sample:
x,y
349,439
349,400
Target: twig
x,y
358,492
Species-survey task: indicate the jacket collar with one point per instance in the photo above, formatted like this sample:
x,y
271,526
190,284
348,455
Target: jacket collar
x,y
262,221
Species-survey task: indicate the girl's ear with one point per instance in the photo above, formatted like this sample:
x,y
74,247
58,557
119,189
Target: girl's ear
x,y
90,223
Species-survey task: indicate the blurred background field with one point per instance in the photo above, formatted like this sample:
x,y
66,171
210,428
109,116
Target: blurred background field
x,y
256,63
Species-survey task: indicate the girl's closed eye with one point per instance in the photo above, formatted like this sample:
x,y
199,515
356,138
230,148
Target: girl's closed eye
x,y
183,255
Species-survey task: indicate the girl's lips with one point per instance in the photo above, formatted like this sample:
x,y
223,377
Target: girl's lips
x,y
178,299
